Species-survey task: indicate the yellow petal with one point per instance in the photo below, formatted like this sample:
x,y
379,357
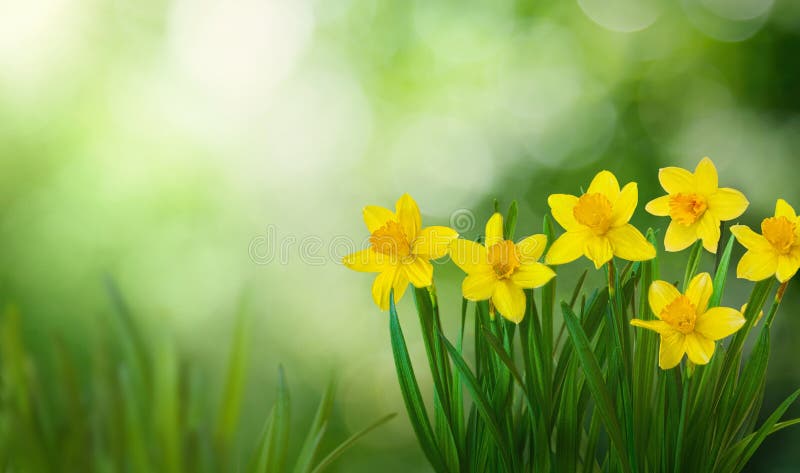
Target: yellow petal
x,y
599,250
479,286
671,349
469,256
419,271
705,175
787,267
532,275
708,230
433,242
699,348
408,216
719,322
399,285
567,248
750,239
367,261
699,291
661,294
783,209
757,265
655,325
531,248
629,243
659,206
625,204
375,217
675,180
509,300
605,183
727,204
494,230
384,283
679,237
562,206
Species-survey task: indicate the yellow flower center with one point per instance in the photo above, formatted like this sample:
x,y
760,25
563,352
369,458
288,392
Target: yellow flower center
x,y
504,258
594,211
681,314
687,208
779,231
391,240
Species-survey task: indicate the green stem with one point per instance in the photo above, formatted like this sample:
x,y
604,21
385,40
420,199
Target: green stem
x,y
776,303
718,254
693,263
687,376
621,353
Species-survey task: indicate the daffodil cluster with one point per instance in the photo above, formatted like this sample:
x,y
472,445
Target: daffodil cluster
x,y
597,226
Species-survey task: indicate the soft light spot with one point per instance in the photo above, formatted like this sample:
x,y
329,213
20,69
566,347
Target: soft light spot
x,y
623,16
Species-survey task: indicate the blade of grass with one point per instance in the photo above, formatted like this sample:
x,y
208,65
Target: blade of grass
x,y
751,443
411,394
511,221
597,385
308,451
721,273
482,405
228,417
347,444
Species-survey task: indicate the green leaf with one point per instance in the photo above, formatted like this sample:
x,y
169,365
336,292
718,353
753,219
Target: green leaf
x,y
569,426
734,352
228,417
721,274
482,405
347,444
693,263
270,456
445,421
597,385
511,221
500,351
750,390
260,459
280,447
748,446
308,452
167,407
411,394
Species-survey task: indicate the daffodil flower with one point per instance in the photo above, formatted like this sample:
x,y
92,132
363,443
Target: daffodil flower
x,y
596,224
776,251
501,270
400,249
696,204
685,323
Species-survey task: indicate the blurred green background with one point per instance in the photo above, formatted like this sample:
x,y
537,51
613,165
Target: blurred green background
x,y
197,150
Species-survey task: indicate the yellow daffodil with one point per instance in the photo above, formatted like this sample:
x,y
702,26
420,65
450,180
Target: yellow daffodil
x,y
696,204
400,249
776,251
596,224
685,322
501,270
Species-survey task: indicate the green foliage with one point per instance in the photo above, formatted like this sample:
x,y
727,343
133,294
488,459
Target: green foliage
x,y
595,400
141,409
